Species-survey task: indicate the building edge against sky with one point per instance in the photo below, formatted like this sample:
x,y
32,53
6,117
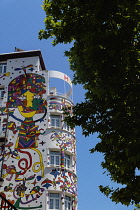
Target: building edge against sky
x,y
38,149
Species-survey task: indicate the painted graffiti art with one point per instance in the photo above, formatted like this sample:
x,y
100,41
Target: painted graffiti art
x,y
26,170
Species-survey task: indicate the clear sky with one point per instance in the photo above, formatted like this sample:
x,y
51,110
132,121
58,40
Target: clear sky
x,y
20,21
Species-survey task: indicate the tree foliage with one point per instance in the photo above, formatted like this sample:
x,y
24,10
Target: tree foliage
x,y
138,207
105,60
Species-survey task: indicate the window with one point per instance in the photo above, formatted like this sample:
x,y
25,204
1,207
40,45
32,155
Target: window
x,y
1,93
55,120
3,67
65,126
67,161
67,203
54,201
55,158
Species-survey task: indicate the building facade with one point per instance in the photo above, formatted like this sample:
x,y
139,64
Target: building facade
x,y
38,149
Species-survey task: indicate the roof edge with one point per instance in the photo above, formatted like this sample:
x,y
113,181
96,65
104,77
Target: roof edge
x,y
23,54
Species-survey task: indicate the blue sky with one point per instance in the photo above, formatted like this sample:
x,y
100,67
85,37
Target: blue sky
x,y
20,21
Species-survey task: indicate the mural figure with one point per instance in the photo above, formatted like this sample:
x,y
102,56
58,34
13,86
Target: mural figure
x,y
20,191
22,198
25,92
27,177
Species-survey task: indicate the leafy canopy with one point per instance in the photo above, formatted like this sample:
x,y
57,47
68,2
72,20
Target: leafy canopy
x,y
105,60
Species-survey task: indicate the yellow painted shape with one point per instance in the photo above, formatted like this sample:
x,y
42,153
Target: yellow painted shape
x,y
5,175
29,98
33,192
18,157
7,74
16,144
41,168
22,194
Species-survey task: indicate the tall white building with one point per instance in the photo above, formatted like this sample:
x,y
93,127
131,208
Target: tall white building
x,y
38,149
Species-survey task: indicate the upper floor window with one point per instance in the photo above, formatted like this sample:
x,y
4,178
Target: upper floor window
x,y
2,93
3,67
55,158
67,161
65,126
54,199
67,203
55,120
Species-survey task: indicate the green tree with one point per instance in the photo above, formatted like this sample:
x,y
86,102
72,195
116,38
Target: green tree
x,y
105,60
138,207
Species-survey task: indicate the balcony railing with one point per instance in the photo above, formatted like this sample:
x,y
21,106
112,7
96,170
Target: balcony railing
x,y
5,204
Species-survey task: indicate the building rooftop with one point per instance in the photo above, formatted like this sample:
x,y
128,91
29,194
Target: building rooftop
x,y
23,54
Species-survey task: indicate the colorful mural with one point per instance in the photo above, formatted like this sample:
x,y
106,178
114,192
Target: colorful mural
x,y
65,140
25,92
59,103
61,179
27,176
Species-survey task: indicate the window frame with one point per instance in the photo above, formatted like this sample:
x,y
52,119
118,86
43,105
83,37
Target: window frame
x,y
66,126
3,68
55,157
54,201
68,202
67,161
55,121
